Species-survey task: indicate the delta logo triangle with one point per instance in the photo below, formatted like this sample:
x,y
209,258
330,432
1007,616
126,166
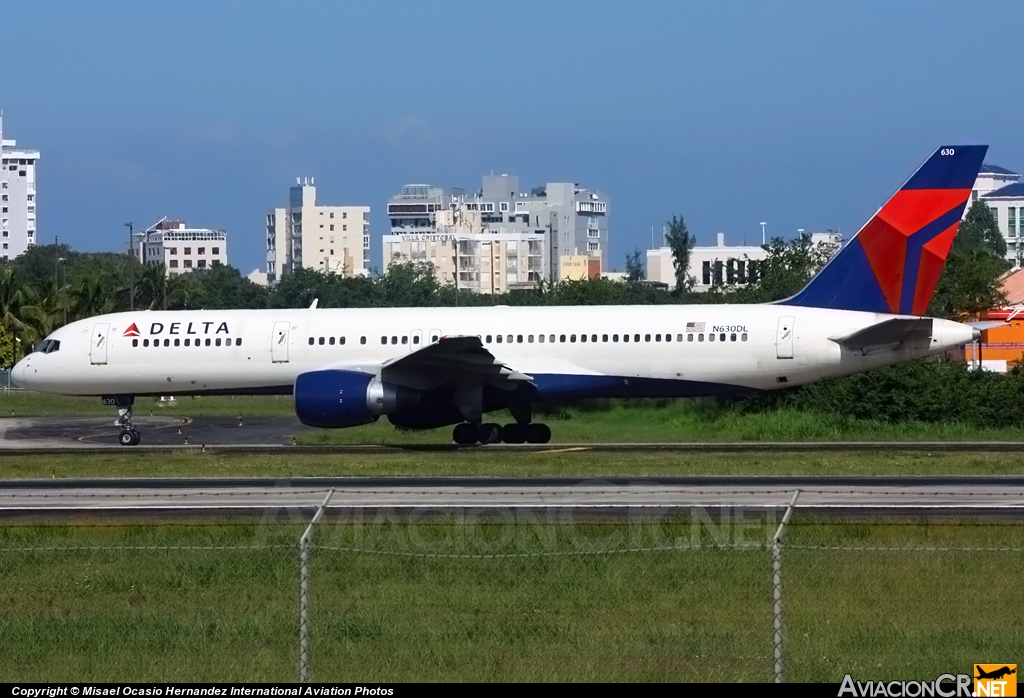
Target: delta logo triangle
x,y
132,331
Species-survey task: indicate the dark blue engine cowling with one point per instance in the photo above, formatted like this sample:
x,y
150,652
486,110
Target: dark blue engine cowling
x,y
338,398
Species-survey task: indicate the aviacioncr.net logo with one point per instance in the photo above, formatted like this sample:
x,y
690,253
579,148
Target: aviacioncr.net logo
x,y
945,686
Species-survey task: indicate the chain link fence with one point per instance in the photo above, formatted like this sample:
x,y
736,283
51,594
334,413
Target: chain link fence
x,y
704,597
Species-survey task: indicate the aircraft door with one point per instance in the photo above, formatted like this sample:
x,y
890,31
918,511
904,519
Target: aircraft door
x,y
784,338
100,340
417,339
279,345
435,335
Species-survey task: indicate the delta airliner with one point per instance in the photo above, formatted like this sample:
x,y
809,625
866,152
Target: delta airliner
x,y
430,367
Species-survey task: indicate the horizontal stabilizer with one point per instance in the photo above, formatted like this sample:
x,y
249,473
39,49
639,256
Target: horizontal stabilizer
x,y
893,331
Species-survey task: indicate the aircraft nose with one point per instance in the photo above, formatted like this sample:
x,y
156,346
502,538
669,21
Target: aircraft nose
x,y
18,375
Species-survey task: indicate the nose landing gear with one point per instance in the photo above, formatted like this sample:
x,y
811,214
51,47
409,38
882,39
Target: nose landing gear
x,y
129,436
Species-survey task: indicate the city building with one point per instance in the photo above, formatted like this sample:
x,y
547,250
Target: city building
x,y
719,265
501,237
179,248
17,197
1003,192
333,239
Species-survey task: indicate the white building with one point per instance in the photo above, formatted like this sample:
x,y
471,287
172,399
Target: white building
x,y
728,266
536,235
17,197
180,248
332,239
1003,192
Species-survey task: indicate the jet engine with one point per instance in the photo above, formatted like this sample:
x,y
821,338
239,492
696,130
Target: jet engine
x,y
332,399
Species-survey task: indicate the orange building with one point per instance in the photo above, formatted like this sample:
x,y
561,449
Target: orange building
x,y
1004,343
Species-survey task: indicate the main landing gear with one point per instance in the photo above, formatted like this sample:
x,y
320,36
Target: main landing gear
x,y
466,434
129,436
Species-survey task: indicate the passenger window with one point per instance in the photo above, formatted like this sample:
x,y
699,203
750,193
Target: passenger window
x,y
625,338
551,339
593,338
320,341
604,338
519,338
700,337
331,341
156,342
561,338
679,338
657,338
188,341
721,337
732,337
509,338
177,342
711,337
310,341
647,337
167,342
540,338
498,339
530,339
207,342
405,339
383,340
572,338
238,342
415,339
135,342
341,340
636,337
394,339
228,341
583,337
689,338
218,341
488,339
743,337
434,338
615,337
362,340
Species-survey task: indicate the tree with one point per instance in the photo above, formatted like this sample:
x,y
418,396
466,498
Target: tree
x,y
969,283
681,242
634,267
18,311
787,268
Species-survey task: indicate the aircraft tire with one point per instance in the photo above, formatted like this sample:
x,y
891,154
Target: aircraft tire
x,y
538,434
464,434
127,438
513,434
489,433
136,438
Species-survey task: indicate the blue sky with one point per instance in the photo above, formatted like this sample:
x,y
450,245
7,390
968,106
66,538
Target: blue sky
x,y
802,114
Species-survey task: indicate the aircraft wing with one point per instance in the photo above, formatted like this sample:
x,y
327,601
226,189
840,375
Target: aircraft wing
x,y
448,360
888,333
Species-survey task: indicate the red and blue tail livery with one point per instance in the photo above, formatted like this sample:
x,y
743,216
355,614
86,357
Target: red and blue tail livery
x,y
894,262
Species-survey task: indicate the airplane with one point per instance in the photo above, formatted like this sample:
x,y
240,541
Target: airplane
x,y
424,368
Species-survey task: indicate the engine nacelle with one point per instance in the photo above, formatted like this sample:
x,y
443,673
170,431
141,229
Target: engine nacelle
x,y
332,399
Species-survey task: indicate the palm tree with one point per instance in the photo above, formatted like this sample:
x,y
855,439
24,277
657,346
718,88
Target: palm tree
x,y
18,310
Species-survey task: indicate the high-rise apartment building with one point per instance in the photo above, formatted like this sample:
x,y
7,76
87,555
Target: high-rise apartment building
x,y
499,237
17,197
326,238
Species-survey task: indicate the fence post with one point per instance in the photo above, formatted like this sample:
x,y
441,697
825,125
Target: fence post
x,y
304,547
775,552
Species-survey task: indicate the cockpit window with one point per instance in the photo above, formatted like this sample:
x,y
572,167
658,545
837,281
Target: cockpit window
x,y
48,346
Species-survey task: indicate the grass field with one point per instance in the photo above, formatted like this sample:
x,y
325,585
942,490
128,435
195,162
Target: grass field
x,y
638,421
576,462
443,600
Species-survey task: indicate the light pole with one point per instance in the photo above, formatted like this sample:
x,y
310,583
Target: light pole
x,y
131,267
763,241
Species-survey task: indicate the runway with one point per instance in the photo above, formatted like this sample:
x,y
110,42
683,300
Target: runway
x,y
621,497
27,435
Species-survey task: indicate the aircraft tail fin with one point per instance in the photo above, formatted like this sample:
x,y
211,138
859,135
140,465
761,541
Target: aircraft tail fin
x,y
893,263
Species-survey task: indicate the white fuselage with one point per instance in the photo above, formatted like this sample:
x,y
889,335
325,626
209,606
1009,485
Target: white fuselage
x,y
671,350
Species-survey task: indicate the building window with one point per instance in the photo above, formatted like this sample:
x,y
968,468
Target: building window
x,y
188,250
174,264
504,206
202,263
1011,221
216,250
188,263
705,273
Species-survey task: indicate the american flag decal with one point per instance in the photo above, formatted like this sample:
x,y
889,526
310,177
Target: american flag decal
x,y
695,326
